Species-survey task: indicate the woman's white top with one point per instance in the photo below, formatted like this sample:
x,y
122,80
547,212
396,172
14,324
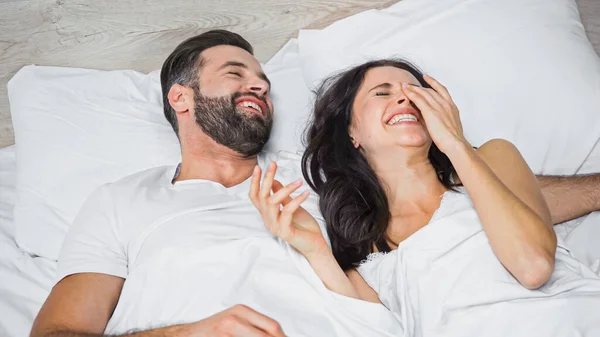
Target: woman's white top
x,y
445,280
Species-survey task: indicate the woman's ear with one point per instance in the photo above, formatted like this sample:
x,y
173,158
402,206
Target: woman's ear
x,y
354,142
177,98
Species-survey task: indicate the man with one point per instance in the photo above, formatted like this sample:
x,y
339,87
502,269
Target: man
x,y
182,251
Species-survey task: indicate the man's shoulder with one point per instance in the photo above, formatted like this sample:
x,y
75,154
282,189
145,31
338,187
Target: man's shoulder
x,y
150,178
128,195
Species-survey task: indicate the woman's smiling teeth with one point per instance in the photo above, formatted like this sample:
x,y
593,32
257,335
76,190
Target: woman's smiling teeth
x,y
252,105
402,118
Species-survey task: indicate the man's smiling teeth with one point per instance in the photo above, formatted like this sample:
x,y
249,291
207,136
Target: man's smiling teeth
x,y
252,105
402,118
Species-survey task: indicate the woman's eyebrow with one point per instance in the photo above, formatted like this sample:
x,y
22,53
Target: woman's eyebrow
x,y
382,85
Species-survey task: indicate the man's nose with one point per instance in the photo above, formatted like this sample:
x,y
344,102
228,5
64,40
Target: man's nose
x,y
258,87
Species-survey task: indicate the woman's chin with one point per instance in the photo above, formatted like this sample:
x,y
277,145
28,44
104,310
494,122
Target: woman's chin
x,y
413,141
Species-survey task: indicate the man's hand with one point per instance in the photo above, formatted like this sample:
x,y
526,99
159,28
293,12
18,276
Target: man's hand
x,y
238,321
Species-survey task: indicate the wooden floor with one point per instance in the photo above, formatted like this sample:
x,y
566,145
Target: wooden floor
x,y
118,34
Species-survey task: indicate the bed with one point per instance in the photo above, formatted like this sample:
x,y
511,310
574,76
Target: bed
x,y
138,35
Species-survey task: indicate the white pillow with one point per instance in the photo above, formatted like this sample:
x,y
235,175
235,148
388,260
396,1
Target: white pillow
x,y
76,129
523,70
291,99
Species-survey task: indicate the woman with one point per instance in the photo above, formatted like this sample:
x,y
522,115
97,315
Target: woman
x,y
417,218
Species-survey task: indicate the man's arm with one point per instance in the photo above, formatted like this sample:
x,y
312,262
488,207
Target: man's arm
x,y
570,197
81,304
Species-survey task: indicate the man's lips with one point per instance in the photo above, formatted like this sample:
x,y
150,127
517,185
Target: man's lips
x,y
252,99
402,111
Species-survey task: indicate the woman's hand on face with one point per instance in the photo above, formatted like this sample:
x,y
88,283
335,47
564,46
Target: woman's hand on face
x,y
441,115
283,215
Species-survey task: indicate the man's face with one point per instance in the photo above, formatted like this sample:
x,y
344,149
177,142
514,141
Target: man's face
x,y
231,103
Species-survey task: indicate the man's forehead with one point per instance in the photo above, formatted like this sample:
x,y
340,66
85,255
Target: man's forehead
x,y
220,55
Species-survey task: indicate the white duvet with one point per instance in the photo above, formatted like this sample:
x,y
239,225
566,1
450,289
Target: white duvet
x,y
208,250
186,283
445,280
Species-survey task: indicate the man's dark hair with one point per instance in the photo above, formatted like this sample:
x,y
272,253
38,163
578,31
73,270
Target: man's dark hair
x,y
182,66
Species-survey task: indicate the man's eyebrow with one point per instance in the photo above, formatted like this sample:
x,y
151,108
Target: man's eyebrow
x,y
262,75
382,85
234,64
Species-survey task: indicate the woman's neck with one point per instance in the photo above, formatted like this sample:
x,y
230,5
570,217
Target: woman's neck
x,y
410,180
413,191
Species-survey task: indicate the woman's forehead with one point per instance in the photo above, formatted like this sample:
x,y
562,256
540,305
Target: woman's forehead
x,y
390,75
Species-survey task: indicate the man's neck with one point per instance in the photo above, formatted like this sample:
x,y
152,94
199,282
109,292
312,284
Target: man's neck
x,y
208,160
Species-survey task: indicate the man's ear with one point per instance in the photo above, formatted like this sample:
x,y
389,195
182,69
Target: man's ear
x,y
178,98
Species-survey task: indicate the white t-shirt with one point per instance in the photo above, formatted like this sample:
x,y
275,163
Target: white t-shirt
x,y
194,248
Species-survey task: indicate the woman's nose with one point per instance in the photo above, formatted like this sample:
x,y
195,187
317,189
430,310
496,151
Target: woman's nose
x,y
400,98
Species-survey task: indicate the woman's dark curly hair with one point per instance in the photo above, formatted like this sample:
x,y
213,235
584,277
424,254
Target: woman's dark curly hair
x,y
352,198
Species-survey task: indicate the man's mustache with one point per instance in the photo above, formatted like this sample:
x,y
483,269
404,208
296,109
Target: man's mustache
x,y
238,94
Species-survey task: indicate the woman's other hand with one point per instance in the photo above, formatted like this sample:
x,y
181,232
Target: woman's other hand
x,y
283,215
285,218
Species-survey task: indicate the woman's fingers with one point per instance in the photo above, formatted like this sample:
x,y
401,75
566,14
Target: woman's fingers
x,y
442,93
260,193
277,185
433,98
287,214
277,220
283,193
265,188
420,101
255,186
277,188
442,90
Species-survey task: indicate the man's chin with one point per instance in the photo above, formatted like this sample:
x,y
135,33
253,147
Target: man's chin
x,y
250,114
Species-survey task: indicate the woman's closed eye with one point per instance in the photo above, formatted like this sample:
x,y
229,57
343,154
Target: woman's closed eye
x,y
382,93
235,73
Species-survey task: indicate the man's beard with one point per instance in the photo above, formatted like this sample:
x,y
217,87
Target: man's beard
x,y
220,119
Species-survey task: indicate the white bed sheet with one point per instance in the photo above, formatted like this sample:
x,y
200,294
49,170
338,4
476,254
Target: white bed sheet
x,y
25,281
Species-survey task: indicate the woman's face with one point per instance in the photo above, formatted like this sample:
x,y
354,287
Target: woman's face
x,y
383,118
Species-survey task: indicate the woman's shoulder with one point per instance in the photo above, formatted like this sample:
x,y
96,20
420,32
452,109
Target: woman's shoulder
x,y
499,152
375,257
374,261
